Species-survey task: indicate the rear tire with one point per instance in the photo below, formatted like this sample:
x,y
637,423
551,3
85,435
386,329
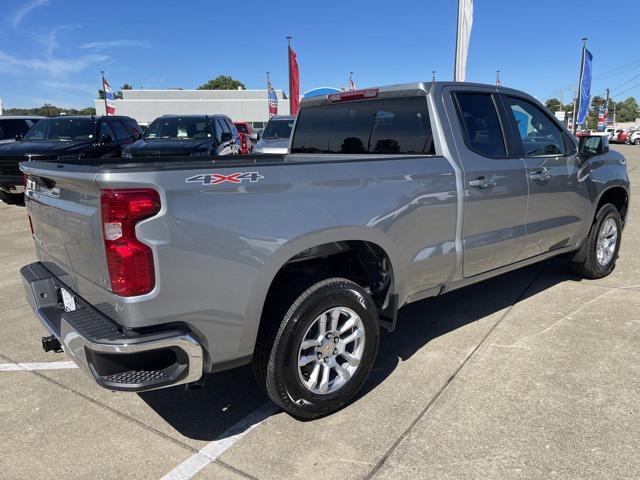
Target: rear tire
x,y
300,364
636,141
11,198
597,257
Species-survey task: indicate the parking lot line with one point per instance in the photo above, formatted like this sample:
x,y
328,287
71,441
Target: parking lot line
x,y
11,367
213,450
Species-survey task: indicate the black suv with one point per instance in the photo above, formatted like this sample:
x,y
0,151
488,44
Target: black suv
x,y
192,135
66,139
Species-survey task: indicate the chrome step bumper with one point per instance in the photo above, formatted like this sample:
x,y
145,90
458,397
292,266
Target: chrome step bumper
x,y
116,358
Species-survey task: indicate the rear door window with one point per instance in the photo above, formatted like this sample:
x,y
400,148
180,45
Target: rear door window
x,y
481,124
119,130
384,126
105,129
539,134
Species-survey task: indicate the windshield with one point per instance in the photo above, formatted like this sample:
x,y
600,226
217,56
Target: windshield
x,y
180,128
278,129
63,129
241,127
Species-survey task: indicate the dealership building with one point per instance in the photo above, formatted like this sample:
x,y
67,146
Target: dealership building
x,y
240,105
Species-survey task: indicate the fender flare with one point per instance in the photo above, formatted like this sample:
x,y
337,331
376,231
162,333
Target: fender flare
x,y
274,263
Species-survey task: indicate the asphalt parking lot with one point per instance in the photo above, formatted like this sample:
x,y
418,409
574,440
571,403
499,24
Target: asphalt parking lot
x,y
535,374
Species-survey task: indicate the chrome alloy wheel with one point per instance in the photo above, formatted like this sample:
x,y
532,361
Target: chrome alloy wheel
x,y
607,241
331,350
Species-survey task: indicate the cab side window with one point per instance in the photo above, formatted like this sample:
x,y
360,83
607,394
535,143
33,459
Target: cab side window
x,y
120,131
105,129
481,124
539,134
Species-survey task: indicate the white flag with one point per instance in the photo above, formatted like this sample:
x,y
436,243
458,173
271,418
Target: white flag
x,y
465,21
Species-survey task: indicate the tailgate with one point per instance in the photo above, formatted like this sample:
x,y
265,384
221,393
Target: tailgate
x,y
64,205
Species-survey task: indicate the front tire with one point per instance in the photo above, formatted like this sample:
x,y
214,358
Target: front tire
x,y
318,348
600,251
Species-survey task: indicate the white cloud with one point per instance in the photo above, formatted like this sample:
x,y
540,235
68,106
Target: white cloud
x,y
23,11
55,67
116,44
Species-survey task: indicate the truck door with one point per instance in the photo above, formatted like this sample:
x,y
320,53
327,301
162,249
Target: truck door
x,y
558,198
495,185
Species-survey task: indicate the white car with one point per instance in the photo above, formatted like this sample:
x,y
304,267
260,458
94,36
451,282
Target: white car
x,y
634,137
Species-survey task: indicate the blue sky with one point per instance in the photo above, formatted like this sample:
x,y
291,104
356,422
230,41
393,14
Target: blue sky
x,y
53,50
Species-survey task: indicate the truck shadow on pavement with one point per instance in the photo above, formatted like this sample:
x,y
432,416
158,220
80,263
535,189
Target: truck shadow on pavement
x,y
229,397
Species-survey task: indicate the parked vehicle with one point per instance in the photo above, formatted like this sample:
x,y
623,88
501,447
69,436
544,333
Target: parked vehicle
x,y
13,127
191,135
620,136
248,137
583,133
66,138
275,138
294,262
634,137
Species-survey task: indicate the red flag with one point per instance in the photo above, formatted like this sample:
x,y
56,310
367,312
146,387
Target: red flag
x,y
294,83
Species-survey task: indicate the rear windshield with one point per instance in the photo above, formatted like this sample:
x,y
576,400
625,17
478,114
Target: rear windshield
x,y
385,126
278,129
11,128
63,129
180,128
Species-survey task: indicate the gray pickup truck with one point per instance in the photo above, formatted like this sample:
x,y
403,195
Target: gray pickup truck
x,y
157,272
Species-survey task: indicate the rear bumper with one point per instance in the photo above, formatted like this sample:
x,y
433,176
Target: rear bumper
x,y
116,358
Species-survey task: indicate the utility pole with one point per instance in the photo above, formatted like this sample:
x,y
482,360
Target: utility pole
x,y
433,76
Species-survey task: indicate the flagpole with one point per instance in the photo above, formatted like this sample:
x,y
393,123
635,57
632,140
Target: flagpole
x,y
289,64
104,94
455,56
268,99
579,93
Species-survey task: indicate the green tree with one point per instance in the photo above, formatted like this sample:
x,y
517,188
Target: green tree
x,y
222,82
554,105
126,86
49,111
627,110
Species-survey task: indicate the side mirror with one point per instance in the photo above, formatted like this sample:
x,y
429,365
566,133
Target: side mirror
x,y
593,145
226,136
105,139
254,136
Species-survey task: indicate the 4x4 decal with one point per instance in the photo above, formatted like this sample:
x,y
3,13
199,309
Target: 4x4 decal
x,y
217,178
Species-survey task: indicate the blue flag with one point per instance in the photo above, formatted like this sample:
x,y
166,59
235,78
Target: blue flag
x,y
584,89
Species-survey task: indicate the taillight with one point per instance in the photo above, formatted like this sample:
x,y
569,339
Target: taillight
x,y
130,262
353,95
244,143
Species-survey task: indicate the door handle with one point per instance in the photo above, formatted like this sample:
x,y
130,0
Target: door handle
x,y
482,182
540,175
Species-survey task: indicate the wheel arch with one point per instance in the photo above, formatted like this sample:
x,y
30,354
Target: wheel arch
x,y
618,196
320,244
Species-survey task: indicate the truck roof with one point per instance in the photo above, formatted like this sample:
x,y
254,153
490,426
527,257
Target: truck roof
x,y
20,117
412,89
